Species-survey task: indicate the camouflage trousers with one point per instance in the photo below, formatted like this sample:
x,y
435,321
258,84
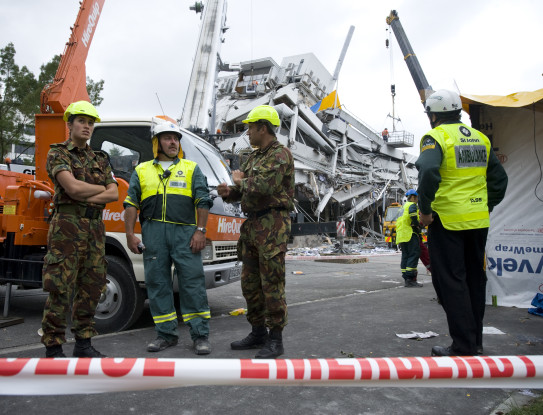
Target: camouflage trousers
x,y
74,274
262,247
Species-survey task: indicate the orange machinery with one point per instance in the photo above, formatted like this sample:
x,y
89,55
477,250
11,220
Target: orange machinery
x,y
25,200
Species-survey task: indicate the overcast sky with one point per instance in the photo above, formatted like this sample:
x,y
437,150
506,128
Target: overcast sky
x,y
144,48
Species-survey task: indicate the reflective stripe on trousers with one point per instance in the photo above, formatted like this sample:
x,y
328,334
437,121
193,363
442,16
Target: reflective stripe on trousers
x,y
167,244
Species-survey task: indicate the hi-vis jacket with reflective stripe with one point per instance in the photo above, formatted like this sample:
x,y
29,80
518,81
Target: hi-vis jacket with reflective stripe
x,y
404,228
462,199
173,199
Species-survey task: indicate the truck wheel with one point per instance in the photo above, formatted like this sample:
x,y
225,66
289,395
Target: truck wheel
x,y
122,302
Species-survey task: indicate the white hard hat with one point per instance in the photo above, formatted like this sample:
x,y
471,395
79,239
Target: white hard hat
x,y
167,127
443,101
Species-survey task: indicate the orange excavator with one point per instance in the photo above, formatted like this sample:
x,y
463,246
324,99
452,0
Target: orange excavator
x,y
26,201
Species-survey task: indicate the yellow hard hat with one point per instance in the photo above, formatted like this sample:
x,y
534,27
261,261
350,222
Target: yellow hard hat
x,y
81,108
263,112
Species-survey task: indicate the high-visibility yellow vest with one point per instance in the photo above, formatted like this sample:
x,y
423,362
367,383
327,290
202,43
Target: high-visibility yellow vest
x,y
403,224
462,200
167,199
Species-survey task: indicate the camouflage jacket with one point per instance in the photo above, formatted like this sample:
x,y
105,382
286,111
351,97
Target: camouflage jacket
x,y
268,182
85,164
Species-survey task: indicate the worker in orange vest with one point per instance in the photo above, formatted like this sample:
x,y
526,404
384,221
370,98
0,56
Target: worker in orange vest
x,y
385,135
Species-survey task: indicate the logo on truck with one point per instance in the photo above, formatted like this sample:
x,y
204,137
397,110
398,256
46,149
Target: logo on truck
x,y
93,17
107,214
229,226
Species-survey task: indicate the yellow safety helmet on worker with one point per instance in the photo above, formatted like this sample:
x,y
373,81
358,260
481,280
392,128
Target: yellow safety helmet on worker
x,y
81,108
166,127
263,113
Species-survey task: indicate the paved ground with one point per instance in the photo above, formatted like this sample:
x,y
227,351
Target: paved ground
x,y
335,311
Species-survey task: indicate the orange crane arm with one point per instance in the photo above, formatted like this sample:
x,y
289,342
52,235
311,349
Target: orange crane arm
x,y
70,83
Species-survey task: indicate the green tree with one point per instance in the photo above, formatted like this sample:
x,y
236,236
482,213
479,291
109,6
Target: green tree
x,y
47,76
20,96
94,90
115,151
15,85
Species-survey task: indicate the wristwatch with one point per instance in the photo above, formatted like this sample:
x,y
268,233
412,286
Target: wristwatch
x,y
203,230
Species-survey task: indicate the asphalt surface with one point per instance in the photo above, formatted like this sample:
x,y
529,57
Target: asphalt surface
x,y
335,311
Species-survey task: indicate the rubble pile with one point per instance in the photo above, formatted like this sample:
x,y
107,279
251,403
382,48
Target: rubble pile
x,y
359,248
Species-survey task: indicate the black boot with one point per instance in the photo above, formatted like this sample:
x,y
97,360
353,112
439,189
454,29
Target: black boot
x,y
442,351
273,347
412,282
83,348
54,351
255,340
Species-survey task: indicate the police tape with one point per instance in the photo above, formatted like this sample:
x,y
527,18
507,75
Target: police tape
x,y
66,376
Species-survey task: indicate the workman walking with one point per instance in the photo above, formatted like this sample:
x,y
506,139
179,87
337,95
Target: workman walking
x,y
74,270
265,186
172,196
460,182
408,238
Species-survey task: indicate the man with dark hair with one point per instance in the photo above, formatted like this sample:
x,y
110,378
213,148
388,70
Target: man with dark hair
x,y
172,196
460,181
265,187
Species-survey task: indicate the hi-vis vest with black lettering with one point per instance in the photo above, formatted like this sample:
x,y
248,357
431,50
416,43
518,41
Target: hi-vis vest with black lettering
x,y
167,200
462,200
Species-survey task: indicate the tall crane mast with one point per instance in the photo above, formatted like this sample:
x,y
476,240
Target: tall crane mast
x,y
342,54
335,78
423,87
198,111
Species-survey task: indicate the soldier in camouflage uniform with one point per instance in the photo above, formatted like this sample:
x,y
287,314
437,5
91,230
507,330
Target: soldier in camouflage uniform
x,y
265,186
75,265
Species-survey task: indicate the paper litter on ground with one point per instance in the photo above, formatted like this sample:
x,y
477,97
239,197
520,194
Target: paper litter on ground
x,y
416,335
492,330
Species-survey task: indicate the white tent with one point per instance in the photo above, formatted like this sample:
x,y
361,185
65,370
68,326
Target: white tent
x,y
514,124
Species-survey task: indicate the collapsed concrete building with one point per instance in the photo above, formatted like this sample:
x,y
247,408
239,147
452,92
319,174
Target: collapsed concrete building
x,y
344,168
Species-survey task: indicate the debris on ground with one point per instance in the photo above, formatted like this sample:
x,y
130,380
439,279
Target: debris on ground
x,y
359,248
417,335
238,312
343,260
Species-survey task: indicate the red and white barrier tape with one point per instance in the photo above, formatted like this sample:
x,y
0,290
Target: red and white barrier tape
x,y
35,376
